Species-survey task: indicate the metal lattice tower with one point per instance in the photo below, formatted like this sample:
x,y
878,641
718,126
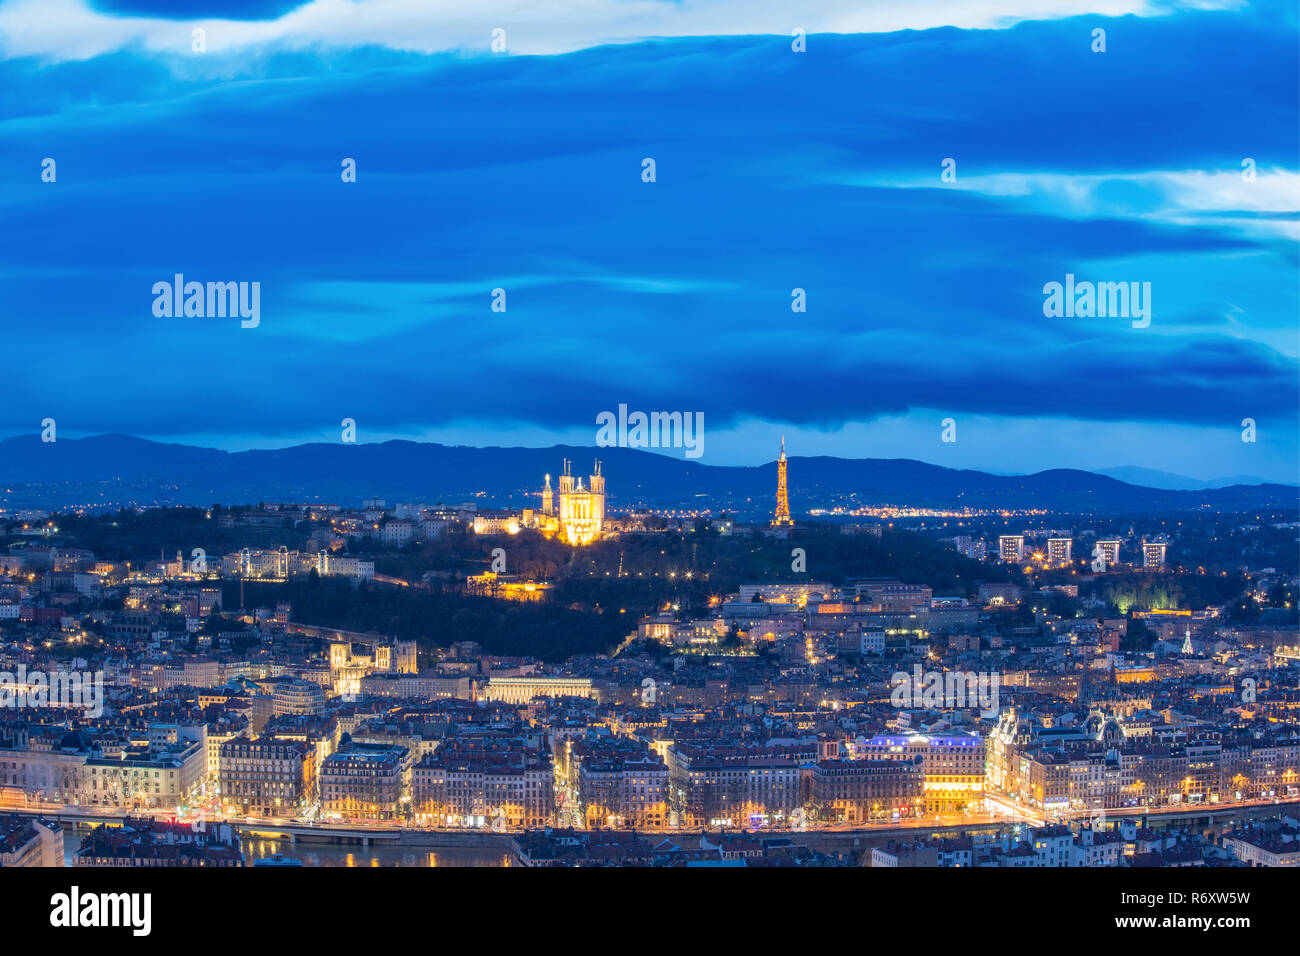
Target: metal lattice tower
x,y
782,515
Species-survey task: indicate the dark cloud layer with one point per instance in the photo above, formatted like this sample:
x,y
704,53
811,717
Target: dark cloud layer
x,y
775,171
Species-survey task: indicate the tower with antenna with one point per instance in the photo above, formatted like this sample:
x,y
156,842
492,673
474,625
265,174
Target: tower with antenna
x,y
782,516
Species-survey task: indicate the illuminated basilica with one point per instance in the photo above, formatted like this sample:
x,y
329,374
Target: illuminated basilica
x,y
580,518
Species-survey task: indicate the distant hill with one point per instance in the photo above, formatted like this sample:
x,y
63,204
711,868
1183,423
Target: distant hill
x,y
1154,478
111,470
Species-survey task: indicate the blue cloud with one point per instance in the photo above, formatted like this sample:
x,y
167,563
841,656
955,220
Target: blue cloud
x,y
199,9
774,171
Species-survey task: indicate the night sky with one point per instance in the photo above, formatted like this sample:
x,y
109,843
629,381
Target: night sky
x,y
775,170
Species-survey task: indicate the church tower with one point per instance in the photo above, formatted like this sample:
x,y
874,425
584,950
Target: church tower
x,y
582,510
548,502
598,499
782,515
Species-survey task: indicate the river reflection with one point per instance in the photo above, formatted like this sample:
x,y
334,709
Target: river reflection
x,y
255,848
311,854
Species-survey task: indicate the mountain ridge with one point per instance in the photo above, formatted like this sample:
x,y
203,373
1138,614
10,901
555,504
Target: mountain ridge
x,y
123,468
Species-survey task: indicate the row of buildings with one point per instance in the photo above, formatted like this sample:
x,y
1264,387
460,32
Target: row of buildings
x,y
1058,552
771,708
1123,843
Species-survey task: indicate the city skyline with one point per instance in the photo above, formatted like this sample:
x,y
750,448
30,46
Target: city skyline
x,y
650,434
1050,707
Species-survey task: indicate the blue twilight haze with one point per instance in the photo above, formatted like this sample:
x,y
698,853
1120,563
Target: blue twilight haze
x,y
1169,160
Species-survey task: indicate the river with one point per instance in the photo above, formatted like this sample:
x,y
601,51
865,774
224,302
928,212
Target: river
x,y
317,854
